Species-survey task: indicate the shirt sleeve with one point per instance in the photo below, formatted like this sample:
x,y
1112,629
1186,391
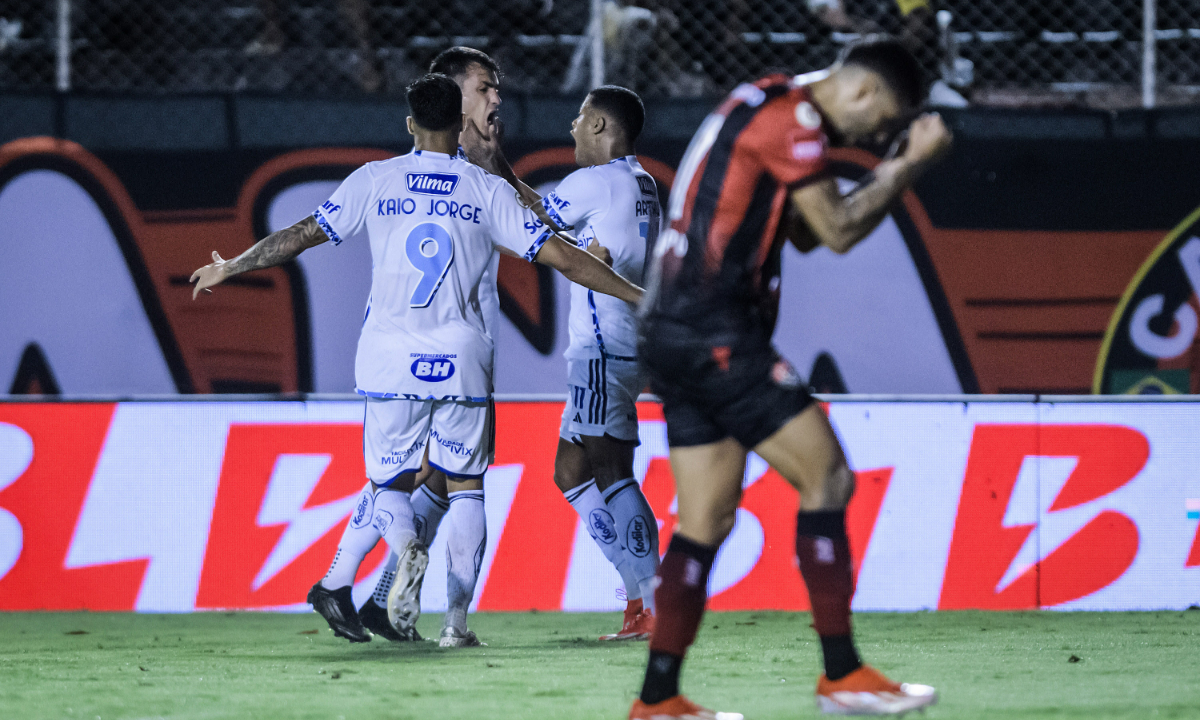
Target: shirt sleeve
x,y
515,227
576,199
345,212
790,141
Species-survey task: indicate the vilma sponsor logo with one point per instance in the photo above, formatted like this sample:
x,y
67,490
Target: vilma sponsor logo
x,y
431,183
432,368
637,537
600,525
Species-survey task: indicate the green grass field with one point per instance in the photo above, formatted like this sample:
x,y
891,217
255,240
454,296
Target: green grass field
x,y
548,665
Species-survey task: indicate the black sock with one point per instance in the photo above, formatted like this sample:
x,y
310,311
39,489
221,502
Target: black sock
x,y
662,677
841,658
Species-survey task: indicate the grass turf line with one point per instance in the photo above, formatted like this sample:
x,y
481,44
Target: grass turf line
x,y
548,665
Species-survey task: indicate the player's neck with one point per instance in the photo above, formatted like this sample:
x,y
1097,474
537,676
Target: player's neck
x,y
609,151
445,143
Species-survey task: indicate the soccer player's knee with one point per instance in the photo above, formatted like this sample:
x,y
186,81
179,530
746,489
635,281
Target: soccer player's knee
x,y
723,527
563,479
839,486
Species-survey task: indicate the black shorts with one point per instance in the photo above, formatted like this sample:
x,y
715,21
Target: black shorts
x,y
743,390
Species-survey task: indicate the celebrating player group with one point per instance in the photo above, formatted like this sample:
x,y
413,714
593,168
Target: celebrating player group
x,y
755,176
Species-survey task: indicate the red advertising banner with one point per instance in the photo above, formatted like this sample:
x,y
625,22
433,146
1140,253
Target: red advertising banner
x,y
175,507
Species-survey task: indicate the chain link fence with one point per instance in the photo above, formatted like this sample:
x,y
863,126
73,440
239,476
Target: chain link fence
x,y
1008,52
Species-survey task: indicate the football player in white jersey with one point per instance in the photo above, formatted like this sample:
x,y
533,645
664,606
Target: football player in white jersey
x,y
611,201
478,77
424,360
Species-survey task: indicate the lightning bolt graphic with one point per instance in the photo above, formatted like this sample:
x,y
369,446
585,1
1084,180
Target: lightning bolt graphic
x,y
1030,504
292,482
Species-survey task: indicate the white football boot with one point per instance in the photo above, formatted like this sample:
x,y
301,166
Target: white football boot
x,y
404,599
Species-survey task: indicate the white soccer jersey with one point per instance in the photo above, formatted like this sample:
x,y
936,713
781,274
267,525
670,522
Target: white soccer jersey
x,y
617,204
433,222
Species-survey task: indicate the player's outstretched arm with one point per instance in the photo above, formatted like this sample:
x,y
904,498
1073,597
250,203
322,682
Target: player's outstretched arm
x,y
580,266
485,151
839,223
275,249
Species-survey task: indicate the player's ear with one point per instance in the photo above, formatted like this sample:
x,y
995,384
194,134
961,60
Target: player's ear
x,y
412,126
599,124
463,122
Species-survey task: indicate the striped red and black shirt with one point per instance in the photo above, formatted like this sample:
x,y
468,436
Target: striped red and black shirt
x,y
719,258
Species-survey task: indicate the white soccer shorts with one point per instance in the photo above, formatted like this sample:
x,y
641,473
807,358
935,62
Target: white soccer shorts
x,y
460,435
603,399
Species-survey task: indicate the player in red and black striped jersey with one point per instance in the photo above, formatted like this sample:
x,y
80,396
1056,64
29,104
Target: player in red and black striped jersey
x,y
754,176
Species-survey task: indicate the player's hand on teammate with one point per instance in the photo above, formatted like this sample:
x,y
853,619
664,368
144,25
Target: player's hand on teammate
x,y
601,252
209,275
928,138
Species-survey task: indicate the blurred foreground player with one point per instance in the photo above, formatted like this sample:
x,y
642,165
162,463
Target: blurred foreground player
x,y
433,222
706,341
610,199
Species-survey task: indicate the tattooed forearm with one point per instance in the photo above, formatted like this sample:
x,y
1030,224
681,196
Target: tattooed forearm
x,y
278,247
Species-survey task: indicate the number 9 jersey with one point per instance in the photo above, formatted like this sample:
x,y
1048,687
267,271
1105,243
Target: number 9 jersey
x,y
434,222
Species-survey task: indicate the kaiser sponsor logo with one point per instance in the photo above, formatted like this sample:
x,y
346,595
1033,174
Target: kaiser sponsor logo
x,y
637,536
601,526
431,183
362,512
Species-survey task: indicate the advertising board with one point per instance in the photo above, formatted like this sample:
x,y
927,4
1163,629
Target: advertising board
x,y
182,506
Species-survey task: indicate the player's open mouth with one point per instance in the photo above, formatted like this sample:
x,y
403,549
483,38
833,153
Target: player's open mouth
x,y
491,118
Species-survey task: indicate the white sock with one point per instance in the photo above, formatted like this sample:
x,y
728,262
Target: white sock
x,y
358,539
386,578
429,510
589,503
394,518
464,554
638,531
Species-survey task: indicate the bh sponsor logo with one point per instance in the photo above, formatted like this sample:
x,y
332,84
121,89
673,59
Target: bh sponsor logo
x,y
601,526
433,368
431,183
637,536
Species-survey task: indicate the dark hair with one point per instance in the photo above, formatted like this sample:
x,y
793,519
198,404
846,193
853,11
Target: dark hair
x,y
454,62
435,102
622,105
888,58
